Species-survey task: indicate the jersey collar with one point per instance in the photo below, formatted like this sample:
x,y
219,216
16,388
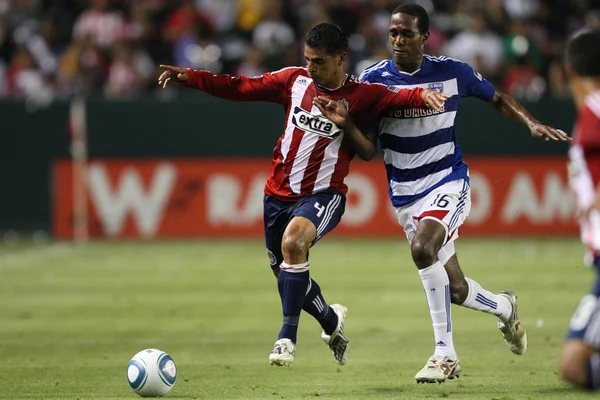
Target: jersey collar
x,y
393,67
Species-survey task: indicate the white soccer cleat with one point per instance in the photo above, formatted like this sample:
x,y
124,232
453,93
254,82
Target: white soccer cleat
x,y
283,354
337,341
438,369
512,330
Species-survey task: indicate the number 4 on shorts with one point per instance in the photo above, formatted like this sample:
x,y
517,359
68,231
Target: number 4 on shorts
x,y
320,208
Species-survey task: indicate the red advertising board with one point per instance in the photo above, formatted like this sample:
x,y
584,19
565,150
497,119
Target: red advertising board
x,y
223,198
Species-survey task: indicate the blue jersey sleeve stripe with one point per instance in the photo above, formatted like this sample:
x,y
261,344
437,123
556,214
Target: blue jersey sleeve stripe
x,y
413,145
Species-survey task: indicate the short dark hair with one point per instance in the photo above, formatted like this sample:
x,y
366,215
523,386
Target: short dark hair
x,y
416,11
328,37
583,53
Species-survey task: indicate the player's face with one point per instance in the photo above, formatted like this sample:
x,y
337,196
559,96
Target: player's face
x,y
323,68
406,41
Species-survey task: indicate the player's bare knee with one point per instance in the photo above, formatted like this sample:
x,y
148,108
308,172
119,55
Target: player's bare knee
x,y
574,361
423,253
574,373
459,291
294,246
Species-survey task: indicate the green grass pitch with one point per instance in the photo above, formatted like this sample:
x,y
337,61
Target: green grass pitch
x,y
72,317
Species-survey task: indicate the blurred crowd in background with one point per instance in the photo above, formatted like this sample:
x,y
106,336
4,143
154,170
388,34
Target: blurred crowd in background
x,y
65,48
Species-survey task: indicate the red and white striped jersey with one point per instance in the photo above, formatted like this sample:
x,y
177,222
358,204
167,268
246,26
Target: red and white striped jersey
x,y
584,169
312,153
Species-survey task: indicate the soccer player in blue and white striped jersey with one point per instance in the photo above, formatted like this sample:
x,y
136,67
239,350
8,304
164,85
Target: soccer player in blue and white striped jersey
x,y
429,181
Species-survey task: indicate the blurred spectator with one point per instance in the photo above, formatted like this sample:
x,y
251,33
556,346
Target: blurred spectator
x,y
129,72
253,65
101,24
113,47
24,78
478,46
273,35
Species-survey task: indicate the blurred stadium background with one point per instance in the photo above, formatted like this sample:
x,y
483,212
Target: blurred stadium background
x,y
165,187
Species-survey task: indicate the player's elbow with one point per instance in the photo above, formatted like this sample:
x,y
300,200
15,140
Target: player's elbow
x,y
367,155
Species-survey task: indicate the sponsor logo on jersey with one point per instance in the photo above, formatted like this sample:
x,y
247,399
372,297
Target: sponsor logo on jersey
x,y
316,124
412,113
438,87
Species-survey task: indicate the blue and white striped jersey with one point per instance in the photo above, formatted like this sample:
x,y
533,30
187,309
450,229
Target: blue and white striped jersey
x,y
420,149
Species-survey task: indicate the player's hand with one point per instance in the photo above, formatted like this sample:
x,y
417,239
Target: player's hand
x,y
545,132
172,74
333,110
434,99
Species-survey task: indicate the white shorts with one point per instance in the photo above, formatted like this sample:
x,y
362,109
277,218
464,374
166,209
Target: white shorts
x,y
448,204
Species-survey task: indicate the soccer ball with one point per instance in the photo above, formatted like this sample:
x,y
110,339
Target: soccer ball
x,y
151,373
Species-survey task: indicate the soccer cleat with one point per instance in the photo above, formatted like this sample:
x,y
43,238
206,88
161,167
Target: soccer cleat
x,y
512,330
337,341
438,369
283,354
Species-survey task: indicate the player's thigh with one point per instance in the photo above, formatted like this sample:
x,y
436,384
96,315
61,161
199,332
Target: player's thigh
x,y
276,216
447,205
324,209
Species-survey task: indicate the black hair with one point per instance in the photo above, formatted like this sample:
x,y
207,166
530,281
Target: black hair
x,y
583,53
328,37
416,11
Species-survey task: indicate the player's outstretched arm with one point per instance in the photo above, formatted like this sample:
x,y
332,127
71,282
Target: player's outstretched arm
x,y
510,107
393,98
268,87
365,145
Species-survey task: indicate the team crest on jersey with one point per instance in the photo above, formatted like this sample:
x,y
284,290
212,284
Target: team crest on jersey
x,y
272,258
438,87
345,103
317,124
394,89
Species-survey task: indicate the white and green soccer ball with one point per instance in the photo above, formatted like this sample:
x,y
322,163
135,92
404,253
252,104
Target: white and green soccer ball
x,y
151,373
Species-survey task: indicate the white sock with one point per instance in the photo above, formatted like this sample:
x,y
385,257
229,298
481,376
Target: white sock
x,y
437,289
482,300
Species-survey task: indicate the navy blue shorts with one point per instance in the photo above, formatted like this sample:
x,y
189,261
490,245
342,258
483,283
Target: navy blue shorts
x,y
324,209
585,322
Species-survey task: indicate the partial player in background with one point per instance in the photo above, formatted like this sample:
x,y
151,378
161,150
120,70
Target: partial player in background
x,y
580,358
429,181
305,194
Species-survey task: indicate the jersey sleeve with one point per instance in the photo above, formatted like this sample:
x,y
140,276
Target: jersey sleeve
x,y
472,84
588,130
386,98
270,87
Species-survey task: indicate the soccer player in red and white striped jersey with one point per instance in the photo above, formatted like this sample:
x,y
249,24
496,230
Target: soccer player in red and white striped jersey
x,y
305,192
580,358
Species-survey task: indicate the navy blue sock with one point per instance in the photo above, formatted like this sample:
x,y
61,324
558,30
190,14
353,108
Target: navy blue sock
x,y
315,305
593,372
595,290
292,290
